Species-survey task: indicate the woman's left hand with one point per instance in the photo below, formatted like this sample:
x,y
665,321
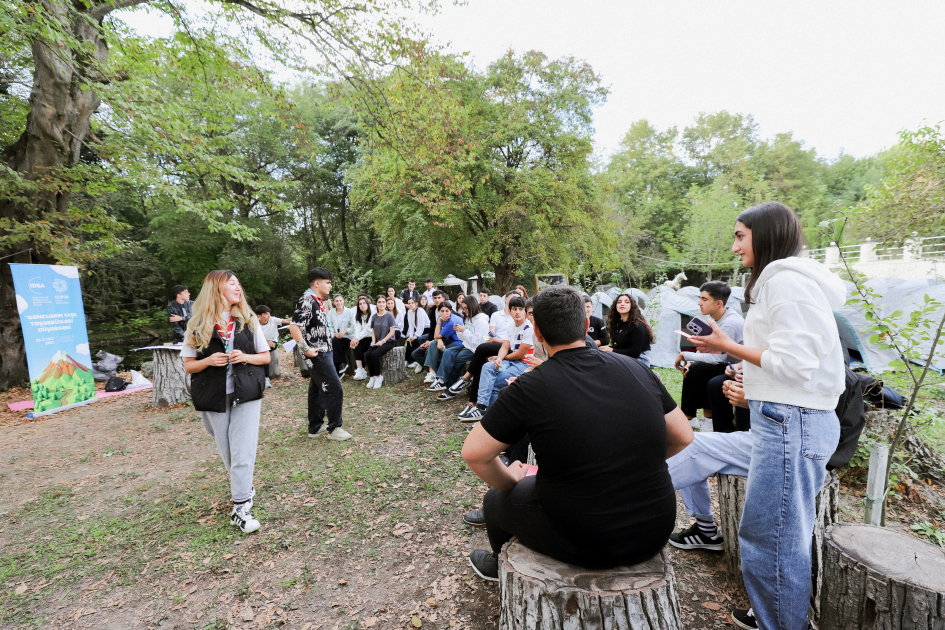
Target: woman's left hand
x,y
238,356
715,343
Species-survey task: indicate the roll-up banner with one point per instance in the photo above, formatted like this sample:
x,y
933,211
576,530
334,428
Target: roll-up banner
x,y
49,299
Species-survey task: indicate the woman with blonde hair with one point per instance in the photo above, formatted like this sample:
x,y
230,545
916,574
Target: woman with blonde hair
x,y
224,351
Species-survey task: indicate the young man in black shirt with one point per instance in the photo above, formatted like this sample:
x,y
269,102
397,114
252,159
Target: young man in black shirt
x,y
485,305
595,325
410,292
179,311
603,496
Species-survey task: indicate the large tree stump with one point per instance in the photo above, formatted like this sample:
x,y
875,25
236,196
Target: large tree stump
x,y
731,503
299,360
393,366
540,593
171,382
876,577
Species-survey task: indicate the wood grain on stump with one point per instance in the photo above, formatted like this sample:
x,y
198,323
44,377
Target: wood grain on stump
x,y
394,366
876,577
171,382
540,593
731,504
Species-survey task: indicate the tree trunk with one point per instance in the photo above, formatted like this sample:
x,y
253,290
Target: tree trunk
x,y
504,277
394,366
344,226
171,382
880,578
731,491
538,592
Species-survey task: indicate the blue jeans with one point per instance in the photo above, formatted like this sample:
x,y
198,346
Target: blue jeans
x,y
452,356
788,465
490,378
432,359
709,453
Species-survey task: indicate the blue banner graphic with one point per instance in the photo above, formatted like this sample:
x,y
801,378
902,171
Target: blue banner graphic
x,y
49,299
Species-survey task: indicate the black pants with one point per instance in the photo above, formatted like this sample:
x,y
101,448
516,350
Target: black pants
x,y
325,394
373,356
518,513
360,349
339,351
695,386
413,346
723,420
480,356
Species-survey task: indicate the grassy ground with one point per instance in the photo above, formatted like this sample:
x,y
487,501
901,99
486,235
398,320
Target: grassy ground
x,y
115,516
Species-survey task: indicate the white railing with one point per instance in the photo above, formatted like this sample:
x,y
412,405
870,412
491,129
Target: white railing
x,y
912,249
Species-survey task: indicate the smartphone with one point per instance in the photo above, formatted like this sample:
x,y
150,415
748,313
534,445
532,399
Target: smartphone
x,y
698,328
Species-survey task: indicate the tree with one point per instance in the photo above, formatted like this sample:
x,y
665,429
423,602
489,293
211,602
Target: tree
x,y
707,236
65,45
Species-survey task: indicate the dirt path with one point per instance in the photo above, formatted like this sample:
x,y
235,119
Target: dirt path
x,y
115,516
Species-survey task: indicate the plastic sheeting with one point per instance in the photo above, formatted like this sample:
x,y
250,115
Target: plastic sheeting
x,y
666,307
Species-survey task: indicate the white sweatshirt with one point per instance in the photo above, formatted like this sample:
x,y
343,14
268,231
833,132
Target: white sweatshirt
x,y
476,331
792,321
417,322
361,330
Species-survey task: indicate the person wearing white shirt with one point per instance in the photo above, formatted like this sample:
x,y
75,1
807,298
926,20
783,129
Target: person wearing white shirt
x,y
392,293
430,289
472,332
270,328
342,332
417,321
361,335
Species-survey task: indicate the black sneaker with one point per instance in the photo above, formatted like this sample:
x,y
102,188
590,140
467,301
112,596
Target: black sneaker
x,y
473,415
446,395
342,370
459,386
436,386
476,518
695,538
466,409
744,619
484,564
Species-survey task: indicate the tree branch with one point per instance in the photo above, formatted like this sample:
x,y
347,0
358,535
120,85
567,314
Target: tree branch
x,y
99,12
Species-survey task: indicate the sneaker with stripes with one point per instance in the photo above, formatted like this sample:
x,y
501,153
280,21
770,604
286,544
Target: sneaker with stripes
x,y
698,536
473,415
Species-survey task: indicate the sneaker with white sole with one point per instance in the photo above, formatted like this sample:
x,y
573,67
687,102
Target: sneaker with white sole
x,y
418,369
485,565
241,517
339,435
744,619
473,415
412,365
459,386
436,386
360,374
695,538
446,395
378,381
370,383
430,377
466,409
322,431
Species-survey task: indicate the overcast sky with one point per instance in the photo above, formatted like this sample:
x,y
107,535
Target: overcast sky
x,y
841,75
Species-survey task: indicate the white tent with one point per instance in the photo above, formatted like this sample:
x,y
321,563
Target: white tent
x,y
666,307
452,281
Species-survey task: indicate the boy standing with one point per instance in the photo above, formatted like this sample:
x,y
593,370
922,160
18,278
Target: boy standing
x,y
179,311
311,329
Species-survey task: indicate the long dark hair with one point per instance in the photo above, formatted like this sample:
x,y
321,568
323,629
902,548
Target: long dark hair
x,y
359,315
472,307
775,234
634,317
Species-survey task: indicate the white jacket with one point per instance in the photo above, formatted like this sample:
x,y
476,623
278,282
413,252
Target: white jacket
x,y
476,331
417,322
362,330
792,322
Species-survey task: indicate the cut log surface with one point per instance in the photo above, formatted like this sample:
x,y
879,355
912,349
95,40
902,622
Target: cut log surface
x,y
393,365
731,503
876,577
540,593
171,382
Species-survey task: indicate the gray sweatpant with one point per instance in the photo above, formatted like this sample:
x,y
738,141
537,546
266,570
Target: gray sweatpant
x,y
236,432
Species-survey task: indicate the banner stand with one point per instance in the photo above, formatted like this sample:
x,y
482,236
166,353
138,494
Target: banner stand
x,y
58,409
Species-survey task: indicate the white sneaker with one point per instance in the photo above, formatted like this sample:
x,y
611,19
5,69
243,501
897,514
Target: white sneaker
x,y
322,430
339,435
241,517
412,365
418,368
360,374
378,381
430,377
370,383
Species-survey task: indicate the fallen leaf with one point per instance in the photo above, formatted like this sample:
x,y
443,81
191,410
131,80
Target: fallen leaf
x,y
711,606
20,589
341,582
401,528
431,601
227,556
248,614
416,622
370,622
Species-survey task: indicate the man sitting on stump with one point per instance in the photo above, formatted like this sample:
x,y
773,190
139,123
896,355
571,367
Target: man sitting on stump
x,y
601,425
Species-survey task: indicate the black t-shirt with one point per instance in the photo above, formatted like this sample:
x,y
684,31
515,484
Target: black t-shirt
x,y
488,308
596,330
630,339
596,422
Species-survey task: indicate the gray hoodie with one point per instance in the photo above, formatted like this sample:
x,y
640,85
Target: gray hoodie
x,y
792,322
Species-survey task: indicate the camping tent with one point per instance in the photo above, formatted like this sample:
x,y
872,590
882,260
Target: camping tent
x,y
452,281
666,307
601,301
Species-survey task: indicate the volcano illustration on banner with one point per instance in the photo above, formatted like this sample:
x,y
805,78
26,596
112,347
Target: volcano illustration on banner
x,y
62,382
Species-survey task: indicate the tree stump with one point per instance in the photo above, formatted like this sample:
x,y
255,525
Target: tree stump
x,y
540,593
171,382
876,577
731,503
393,366
300,361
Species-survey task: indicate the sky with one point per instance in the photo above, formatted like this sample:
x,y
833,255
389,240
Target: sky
x,y
842,76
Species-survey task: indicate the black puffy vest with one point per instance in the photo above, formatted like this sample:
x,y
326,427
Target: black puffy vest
x,y
208,388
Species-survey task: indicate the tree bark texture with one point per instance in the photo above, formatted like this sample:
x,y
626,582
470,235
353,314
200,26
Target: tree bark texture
x,y
540,593
876,577
731,491
393,365
171,382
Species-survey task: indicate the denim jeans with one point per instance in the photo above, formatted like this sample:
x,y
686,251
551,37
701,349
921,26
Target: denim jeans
x,y
236,432
454,356
709,453
433,355
488,390
324,393
788,464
